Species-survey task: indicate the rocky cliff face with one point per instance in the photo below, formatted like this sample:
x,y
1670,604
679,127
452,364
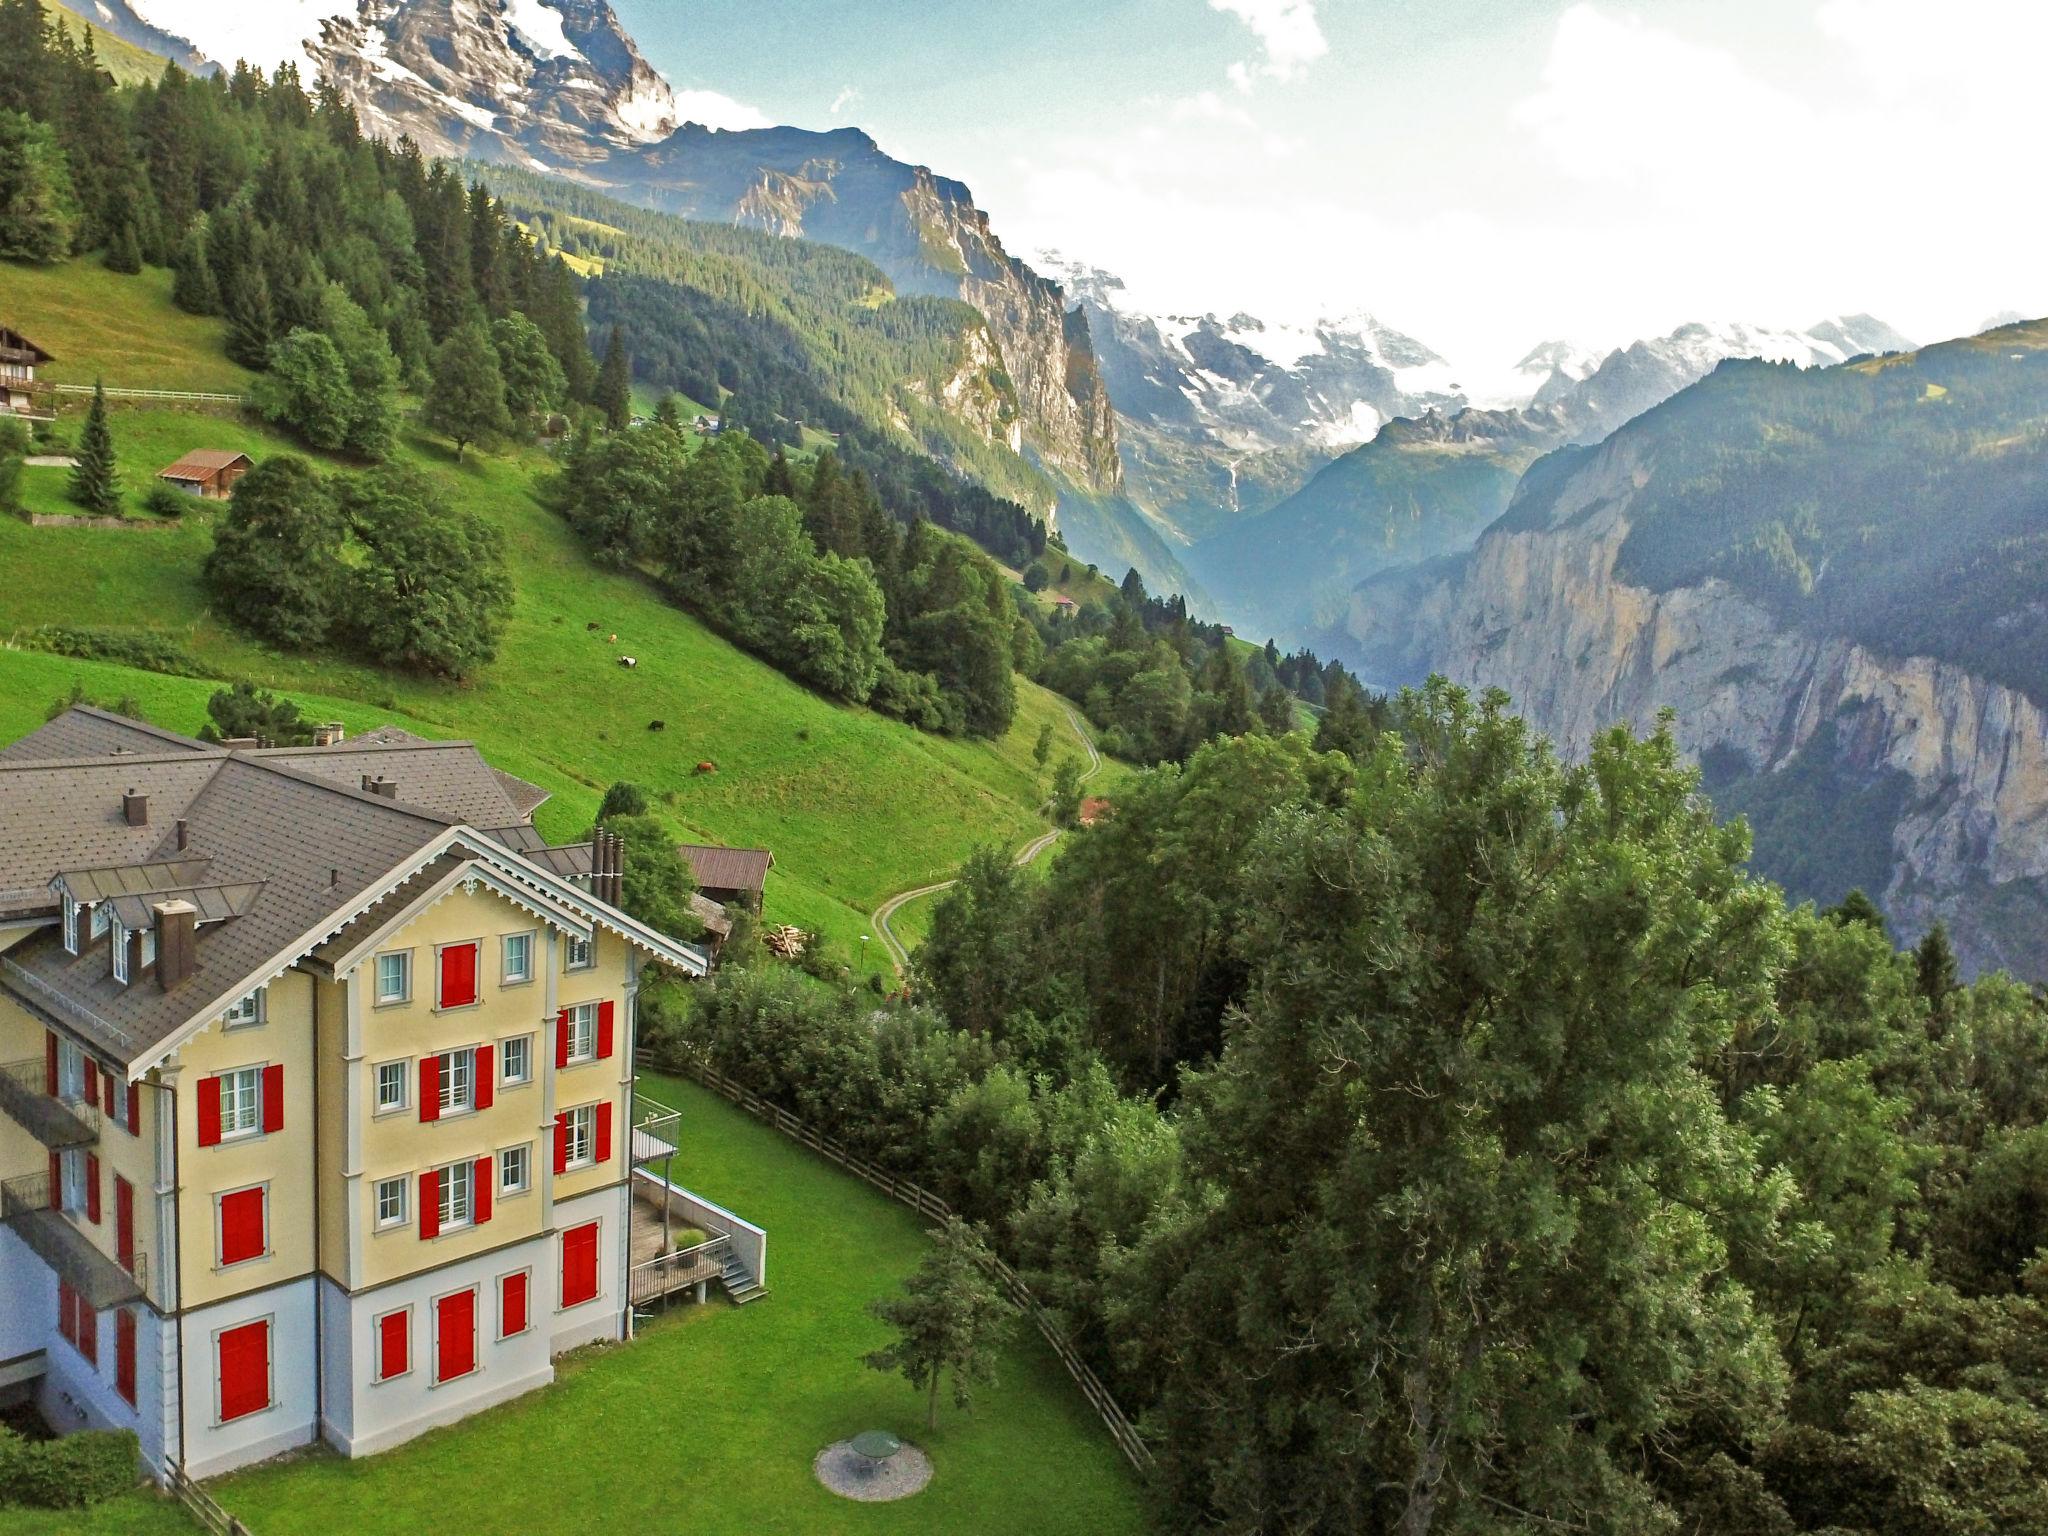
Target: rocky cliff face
x,y
1539,611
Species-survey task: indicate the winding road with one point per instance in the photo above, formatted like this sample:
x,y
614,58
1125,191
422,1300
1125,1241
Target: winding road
x,y
1025,855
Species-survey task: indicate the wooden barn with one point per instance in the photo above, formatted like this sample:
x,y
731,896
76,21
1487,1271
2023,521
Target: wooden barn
x,y
208,473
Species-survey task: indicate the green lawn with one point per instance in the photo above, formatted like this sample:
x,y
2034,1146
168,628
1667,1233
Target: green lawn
x,y
124,330
709,1422
142,1513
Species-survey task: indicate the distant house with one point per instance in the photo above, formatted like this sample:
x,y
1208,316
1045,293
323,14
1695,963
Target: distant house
x,y
208,473
1065,604
729,876
707,426
18,360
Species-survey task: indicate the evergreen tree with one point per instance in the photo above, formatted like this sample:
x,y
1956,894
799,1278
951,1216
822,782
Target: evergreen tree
x,y
192,285
467,401
243,711
615,384
39,210
252,325
124,251
1935,969
950,1319
534,386
96,482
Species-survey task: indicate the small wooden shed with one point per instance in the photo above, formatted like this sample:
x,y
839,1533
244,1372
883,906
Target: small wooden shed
x,y
208,473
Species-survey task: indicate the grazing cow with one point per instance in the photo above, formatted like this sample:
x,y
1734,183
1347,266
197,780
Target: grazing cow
x,y
707,768
657,725
591,625
629,661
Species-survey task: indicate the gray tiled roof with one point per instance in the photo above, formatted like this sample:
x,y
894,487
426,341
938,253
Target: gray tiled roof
x,y
448,779
134,879
213,903
83,731
728,869
64,815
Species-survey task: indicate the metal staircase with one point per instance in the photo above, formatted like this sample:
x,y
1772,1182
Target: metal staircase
x,y
739,1282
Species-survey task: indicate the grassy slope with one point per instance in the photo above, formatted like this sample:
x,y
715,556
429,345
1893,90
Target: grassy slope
x,y
710,1421
128,64
855,806
99,324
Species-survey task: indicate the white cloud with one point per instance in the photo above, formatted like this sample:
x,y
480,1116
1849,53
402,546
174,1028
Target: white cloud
x,y
715,109
1290,37
848,98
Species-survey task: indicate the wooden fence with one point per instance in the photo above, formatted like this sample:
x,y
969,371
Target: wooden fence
x,y
187,395
205,1509
925,1203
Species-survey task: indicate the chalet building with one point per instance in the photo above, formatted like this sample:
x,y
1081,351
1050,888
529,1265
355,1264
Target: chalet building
x,y
208,473
729,876
317,1119
19,359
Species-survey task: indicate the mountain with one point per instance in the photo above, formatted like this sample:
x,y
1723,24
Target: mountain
x,y
1834,578
1429,488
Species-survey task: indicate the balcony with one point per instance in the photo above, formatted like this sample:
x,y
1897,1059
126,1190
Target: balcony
x,y
50,1235
56,1123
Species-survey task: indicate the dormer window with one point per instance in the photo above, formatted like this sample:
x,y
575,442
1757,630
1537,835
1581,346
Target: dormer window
x,y
120,951
70,926
100,918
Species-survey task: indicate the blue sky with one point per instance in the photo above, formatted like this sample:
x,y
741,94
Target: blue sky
x,y
1484,173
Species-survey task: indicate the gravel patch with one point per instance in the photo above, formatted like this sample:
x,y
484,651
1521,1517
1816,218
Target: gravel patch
x,y
853,1476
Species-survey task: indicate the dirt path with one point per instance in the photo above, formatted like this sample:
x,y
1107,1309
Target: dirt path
x,y
1031,850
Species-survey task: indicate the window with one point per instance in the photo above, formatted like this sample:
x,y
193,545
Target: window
x,y
394,978
101,918
456,1182
517,964
248,1011
512,1309
241,1221
579,1265
390,1203
516,1055
515,1170
242,1369
391,1080
394,1344
582,1136
457,985
241,1106
577,956
70,926
580,1023
148,948
458,1080
120,953
455,1335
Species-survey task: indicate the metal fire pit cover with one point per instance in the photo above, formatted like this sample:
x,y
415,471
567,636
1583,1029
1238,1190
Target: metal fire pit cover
x,y
876,1445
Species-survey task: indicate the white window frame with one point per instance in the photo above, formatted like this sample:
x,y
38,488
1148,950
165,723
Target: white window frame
x,y
583,1131
70,926
507,977
102,916
399,999
581,1025
377,1104
232,1082
269,1322
572,946
505,1077
499,1290
524,1152
258,1012
120,950
220,1259
377,1345
476,1337
444,1191
148,948
379,1222
450,1105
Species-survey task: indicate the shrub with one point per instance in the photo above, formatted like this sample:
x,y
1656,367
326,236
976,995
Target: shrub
x,y
163,500
137,648
84,1468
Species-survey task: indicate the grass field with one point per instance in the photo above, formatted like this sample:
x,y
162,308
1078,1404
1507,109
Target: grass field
x,y
855,807
128,64
142,1513
708,1423
122,330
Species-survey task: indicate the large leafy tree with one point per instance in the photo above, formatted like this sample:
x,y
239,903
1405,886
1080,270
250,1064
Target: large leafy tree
x,y
466,402
306,389
1462,1244
432,594
535,385
276,565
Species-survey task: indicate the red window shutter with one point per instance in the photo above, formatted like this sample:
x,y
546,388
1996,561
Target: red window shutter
x,y
92,1081
430,1204
458,976
604,1132
124,1223
56,1181
241,1226
561,1142
88,1332
209,1111
135,1109
512,1305
273,1098
480,1191
562,1039
107,1091
604,1030
483,1081
394,1345
243,1362
579,1264
455,1335
124,1355
430,1087
49,1062
92,1188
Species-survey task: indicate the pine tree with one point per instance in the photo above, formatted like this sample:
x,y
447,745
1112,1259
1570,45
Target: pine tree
x,y
192,285
252,326
1935,964
615,384
124,251
96,482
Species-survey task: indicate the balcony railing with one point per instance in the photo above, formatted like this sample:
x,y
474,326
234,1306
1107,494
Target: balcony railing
x,y
656,1131
651,1279
55,1122
51,1236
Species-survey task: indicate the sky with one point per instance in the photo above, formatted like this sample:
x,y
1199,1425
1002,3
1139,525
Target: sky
x,y
1484,174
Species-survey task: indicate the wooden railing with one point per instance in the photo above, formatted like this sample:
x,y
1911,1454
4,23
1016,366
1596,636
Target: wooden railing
x,y
204,1507
148,394
925,1203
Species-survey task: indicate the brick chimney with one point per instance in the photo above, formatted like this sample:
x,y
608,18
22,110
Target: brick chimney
x,y
177,924
332,734
136,808
184,834
388,788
